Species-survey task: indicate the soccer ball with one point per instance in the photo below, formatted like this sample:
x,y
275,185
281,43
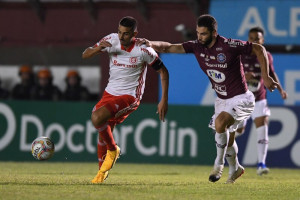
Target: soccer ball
x,y
42,148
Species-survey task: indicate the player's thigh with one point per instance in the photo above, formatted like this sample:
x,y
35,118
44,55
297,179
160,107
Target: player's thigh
x,y
223,121
231,139
261,121
100,116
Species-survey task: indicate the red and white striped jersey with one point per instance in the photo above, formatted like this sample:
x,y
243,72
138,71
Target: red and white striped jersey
x,y
127,68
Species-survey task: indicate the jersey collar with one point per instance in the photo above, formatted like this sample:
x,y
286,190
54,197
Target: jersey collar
x,y
129,48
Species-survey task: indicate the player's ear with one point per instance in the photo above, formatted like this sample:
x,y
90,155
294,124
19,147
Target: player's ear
x,y
214,33
135,33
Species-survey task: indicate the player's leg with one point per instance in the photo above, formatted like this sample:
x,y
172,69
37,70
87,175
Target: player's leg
x,y
261,124
125,105
235,169
101,114
110,155
222,121
238,109
239,131
101,150
100,119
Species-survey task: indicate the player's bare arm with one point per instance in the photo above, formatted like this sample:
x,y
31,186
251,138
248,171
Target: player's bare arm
x,y
162,107
262,57
166,47
92,51
283,93
162,47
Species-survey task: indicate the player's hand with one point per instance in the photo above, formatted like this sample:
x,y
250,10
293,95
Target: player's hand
x,y
249,75
283,94
141,41
104,44
162,110
270,83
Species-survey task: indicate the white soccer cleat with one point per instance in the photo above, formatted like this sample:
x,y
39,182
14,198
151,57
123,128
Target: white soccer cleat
x,y
239,172
260,171
216,173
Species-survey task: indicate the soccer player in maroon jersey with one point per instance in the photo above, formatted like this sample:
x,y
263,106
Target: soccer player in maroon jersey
x,y
261,112
219,58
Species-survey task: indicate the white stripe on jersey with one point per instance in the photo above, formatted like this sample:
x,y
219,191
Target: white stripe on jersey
x,y
127,68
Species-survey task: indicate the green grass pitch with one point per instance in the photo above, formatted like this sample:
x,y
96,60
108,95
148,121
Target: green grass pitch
x,y
50,180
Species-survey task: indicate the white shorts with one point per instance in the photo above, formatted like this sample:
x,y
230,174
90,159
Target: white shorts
x,y
260,109
239,107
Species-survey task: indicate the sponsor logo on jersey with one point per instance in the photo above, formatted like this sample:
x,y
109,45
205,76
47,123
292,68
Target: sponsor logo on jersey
x,y
206,58
221,57
234,43
216,75
147,52
133,60
219,49
216,65
104,39
124,65
221,89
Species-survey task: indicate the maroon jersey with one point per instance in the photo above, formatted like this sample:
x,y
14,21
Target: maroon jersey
x,y
222,64
256,84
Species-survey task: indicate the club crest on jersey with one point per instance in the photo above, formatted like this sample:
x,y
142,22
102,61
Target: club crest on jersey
x,y
133,60
221,57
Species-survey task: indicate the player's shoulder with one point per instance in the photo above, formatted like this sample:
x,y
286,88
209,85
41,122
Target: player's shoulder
x,y
230,42
109,37
146,50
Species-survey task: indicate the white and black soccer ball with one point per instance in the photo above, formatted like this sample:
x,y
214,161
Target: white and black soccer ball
x,y
42,148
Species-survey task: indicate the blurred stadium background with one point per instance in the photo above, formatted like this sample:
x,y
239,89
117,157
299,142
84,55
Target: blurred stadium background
x,y
54,33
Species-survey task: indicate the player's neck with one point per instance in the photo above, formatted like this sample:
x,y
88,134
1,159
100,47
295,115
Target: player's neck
x,y
212,43
128,47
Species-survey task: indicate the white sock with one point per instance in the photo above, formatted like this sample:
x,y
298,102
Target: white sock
x,y
221,144
262,143
231,157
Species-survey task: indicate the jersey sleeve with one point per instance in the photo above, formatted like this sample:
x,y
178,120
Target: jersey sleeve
x,y
271,66
149,55
189,46
106,38
240,47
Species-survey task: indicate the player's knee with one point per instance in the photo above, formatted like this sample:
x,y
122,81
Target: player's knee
x,y
97,119
220,126
239,132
